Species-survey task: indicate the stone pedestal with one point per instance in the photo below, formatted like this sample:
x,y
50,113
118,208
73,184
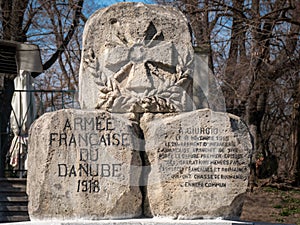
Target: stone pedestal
x,y
139,222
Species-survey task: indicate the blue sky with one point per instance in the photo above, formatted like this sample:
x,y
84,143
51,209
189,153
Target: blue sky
x,y
104,3
93,5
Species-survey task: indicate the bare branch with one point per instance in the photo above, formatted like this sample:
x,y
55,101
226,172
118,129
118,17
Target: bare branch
x,y
61,48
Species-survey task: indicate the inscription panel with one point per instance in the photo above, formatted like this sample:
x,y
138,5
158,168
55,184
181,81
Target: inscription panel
x,y
203,157
88,140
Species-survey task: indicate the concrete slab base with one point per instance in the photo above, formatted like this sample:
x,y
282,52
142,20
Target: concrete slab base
x,y
154,221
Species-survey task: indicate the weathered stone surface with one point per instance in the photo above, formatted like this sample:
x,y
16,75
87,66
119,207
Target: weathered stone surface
x,y
199,164
141,222
83,164
137,58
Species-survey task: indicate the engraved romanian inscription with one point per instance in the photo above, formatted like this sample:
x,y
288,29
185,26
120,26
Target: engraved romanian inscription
x,y
202,157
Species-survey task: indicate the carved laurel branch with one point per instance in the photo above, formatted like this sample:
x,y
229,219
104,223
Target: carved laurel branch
x,y
108,92
165,98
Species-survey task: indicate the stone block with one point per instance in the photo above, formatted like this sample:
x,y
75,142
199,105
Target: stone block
x,y
198,164
83,164
137,58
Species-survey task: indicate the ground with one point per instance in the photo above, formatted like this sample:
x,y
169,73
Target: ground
x,y
270,204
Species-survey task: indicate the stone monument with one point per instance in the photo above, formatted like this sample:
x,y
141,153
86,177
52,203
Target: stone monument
x,y
151,139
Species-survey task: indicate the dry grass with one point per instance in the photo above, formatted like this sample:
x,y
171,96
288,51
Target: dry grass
x,y
268,204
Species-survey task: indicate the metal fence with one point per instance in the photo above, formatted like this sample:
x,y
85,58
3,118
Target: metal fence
x,y
16,136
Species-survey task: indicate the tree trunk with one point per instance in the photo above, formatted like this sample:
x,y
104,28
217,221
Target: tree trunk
x,y
236,60
295,139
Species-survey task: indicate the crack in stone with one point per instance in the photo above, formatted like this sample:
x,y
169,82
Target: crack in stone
x,y
145,168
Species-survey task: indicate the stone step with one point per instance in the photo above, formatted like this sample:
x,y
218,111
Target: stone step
x,y
13,180
12,184
13,194
12,189
16,218
13,213
13,208
13,200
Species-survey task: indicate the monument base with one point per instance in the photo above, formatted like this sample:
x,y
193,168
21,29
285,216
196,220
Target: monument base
x,y
155,221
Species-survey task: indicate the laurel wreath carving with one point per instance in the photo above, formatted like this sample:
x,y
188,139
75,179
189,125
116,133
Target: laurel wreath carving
x,y
165,98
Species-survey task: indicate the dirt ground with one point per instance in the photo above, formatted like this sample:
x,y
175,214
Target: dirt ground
x,y
269,204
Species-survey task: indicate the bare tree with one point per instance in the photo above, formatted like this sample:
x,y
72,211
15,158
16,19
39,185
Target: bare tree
x,y
63,75
254,47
